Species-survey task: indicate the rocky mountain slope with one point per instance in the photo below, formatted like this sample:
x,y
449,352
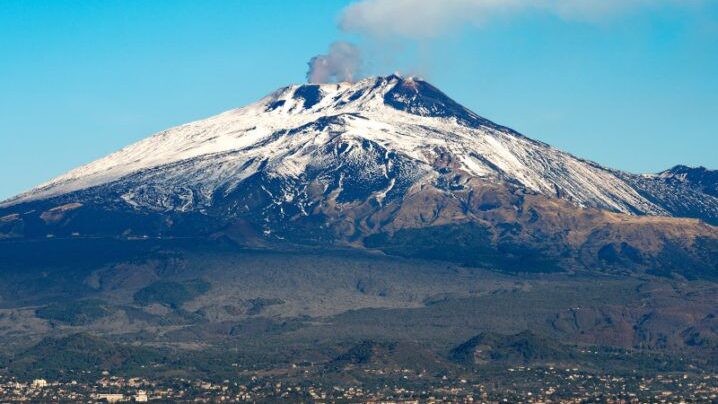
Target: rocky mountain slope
x,y
381,133
682,191
384,163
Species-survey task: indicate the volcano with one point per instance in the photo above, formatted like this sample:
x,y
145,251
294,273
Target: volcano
x,y
389,164
356,229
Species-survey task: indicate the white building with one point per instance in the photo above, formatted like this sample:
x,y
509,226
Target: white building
x,y
111,398
39,383
141,397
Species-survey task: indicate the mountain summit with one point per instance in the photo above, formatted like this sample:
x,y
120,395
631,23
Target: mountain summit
x,y
353,164
377,132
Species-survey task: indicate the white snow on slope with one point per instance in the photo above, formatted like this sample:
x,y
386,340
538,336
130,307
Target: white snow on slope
x,y
285,132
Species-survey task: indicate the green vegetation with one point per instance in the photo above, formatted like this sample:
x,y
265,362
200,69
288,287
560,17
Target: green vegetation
x,y
364,352
173,294
522,348
81,312
404,314
54,357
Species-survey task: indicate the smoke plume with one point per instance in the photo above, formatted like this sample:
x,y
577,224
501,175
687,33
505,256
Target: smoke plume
x,y
383,22
341,63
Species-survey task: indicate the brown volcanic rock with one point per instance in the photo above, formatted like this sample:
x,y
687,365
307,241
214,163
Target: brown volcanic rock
x,y
468,220
577,237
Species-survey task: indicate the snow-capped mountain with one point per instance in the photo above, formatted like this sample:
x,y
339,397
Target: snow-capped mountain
x,y
388,164
682,191
384,132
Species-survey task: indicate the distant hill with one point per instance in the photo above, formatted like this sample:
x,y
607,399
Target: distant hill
x,y
522,348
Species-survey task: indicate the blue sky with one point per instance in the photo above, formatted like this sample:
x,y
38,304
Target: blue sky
x,y
637,90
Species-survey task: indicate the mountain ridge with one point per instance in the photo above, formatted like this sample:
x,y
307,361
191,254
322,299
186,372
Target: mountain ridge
x,y
375,164
293,109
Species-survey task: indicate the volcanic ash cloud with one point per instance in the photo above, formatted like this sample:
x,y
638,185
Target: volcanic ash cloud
x,y
341,63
